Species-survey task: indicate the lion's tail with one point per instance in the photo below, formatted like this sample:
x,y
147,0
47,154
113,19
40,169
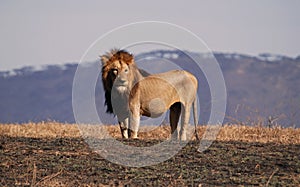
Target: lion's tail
x,y
195,114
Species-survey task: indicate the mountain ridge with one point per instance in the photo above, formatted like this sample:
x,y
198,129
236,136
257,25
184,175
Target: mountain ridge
x,y
258,88
270,57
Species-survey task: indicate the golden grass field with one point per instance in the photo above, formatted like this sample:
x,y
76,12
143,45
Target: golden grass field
x,y
227,132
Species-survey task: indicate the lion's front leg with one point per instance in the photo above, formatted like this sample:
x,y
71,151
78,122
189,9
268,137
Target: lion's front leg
x,y
124,128
134,123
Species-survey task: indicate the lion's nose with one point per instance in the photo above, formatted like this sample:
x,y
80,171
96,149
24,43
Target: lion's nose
x,y
122,80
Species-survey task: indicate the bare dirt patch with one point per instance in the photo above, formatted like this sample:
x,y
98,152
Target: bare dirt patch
x,y
68,161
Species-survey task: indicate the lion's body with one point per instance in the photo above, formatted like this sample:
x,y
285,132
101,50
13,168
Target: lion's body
x,y
163,90
130,94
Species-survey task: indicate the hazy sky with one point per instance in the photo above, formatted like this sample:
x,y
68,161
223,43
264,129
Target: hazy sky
x,y
56,31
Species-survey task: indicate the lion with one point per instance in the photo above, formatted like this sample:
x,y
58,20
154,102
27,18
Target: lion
x,y
131,92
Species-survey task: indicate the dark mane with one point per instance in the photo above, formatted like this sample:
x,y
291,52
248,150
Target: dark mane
x,y
108,103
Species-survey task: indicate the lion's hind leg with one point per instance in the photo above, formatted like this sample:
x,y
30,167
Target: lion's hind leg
x,y
185,117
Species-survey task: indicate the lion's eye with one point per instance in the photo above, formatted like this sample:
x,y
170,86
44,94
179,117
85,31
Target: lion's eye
x,y
126,70
115,71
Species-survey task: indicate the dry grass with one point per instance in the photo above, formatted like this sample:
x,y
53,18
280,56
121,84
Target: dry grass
x,y
40,130
227,133
260,134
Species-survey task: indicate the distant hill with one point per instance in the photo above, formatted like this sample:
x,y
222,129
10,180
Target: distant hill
x,y
259,88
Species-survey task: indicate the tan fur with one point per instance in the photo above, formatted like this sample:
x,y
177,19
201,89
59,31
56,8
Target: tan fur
x,y
130,93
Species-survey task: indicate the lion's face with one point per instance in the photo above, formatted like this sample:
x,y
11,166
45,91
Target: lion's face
x,y
121,76
116,71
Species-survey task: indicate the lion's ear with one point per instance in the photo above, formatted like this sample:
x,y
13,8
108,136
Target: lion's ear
x,y
130,62
129,59
104,59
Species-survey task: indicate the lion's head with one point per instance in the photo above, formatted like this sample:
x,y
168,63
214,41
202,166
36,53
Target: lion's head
x,y
118,72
